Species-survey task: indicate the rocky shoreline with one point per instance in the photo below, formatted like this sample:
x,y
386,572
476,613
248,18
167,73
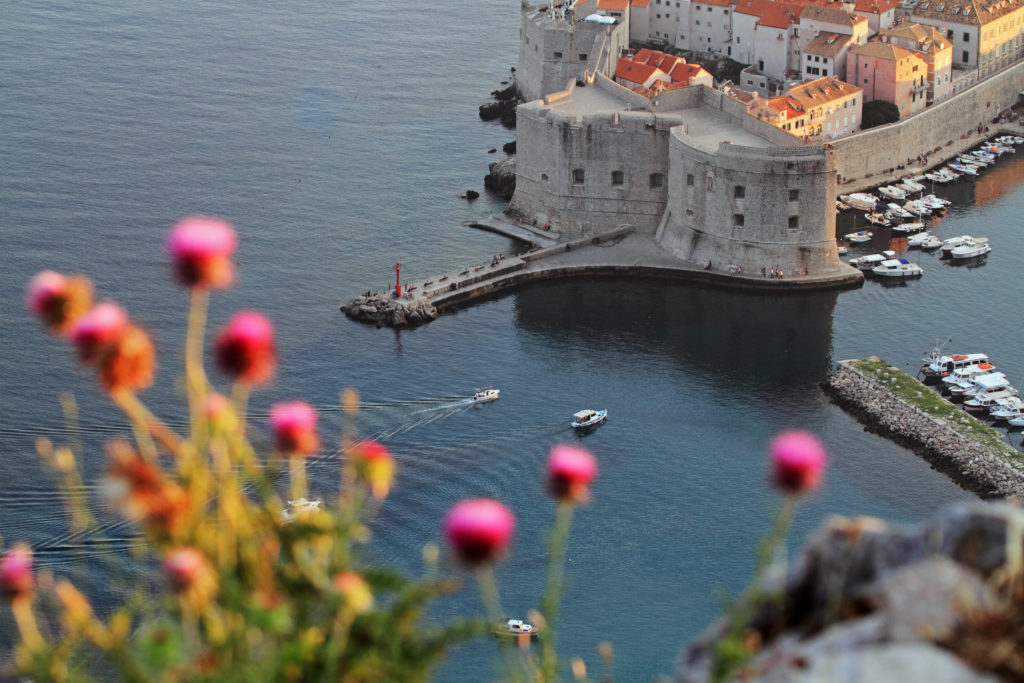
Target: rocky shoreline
x,y
989,472
387,310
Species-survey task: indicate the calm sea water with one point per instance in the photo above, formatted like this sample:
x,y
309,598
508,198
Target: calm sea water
x,y
338,137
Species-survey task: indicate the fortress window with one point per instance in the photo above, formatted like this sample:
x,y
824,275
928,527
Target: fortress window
x,y
657,179
791,165
583,56
739,191
794,195
794,222
737,220
558,55
617,177
689,180
544,177
967,37
577,176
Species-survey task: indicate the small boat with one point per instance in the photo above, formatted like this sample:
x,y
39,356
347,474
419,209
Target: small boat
x,y
898,211
892,192
897,267
878,219
1007,408
908,228
588,418
936,364
842,249
1016,421
299,508
516,628
912,184
980,403
933,202
962,168
917,208
980,384
485,394
859,237
862,201
971,249
840,206
951,243
920,238
971,159
869,261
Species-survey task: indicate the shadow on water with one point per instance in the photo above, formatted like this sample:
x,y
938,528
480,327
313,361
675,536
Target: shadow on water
x,y
723,335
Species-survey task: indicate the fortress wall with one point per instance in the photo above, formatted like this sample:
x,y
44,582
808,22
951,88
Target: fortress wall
x,y
888,146
634,143
781,218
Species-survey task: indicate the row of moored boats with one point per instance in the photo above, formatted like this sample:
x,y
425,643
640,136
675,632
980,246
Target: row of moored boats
x,y
973,379
886,264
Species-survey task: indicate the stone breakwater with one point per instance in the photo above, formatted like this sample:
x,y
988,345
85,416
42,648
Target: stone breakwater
x,y
991,472
387,310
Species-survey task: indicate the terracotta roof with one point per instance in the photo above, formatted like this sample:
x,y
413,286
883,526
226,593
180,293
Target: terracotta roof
x,y
821,91
882,51
827,44
685,73
720,3
634,72
875,6
643,55
639,3
976,12
831,15
925,38
775,14
613,5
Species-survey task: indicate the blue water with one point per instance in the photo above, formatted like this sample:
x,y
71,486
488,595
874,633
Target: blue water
x,y
338,138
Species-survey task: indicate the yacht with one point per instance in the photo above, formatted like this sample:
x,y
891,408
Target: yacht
x,y
897,267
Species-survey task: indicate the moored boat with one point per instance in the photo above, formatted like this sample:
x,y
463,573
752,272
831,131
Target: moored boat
x,y
971,249
862,201
859,237
936,364
869,261
1007,408
898,268
908,228
980,403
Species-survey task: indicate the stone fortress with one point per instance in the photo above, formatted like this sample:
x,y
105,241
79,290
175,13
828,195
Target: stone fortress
x,y
689,168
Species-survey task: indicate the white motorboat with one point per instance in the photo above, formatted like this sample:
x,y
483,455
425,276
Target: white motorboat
x,y
1010,140
869,261
937,364
963,376
982,154
980,384
917,208
485,394
516,628
942,176
879,219
892,192
842,250
588,418
981,403
971,159
907,228
1016,421
859,237
970,249
862,201
299,508
920,238
963,168
897,267
951,243
898,211
1007,408
912,184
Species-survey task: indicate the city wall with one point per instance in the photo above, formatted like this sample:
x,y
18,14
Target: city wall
x,y
880,149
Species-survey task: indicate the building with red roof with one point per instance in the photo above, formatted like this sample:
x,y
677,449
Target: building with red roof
x,y
891,73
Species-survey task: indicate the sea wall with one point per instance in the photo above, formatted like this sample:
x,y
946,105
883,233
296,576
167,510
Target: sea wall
x,y
971,464
886,147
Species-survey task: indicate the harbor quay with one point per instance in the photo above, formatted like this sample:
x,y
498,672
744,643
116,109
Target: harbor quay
x,y
622,252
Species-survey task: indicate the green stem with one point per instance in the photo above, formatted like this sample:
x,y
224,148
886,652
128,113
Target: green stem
x,y
556,566
492,607
195,376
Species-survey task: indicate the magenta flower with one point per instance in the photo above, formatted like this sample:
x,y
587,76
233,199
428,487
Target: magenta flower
x,y
479,530
16,572
798,462
98,330
201,248
58,300
294,426
184,567
245,348
570,471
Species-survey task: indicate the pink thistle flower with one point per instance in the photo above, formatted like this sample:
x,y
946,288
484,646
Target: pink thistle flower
x,y
245,349
183,567
479,530
58,300
798,462
294,426
376,465
96,331
16,572
570,471
201,248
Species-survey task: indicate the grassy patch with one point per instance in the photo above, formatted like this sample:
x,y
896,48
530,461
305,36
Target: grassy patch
x,y
913,391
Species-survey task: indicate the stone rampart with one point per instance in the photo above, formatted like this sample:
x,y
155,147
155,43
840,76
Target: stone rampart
x,y
886,147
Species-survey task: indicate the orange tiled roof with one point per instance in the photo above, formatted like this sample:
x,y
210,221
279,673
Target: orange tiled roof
x,y
821,91
827,44
773,13
634,72
831,15
613,5
875,6
640,3
685,73
882,51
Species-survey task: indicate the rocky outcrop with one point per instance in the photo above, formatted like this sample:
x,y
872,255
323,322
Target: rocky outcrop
x,y
503,108
870,603
993,473
380,311
502,178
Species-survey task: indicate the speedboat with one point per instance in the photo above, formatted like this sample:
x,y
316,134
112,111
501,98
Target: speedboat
x,y
869,261
1016,421
878,219
862,201
980,384
588,418
516,628
897,267
951,243
859,237
980,403
970,249
1007,408
920,238
485,394
965,375
962,168
916,207
908,228
912,184
299,508
971,159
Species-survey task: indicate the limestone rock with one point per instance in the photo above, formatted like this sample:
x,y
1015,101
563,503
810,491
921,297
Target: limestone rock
x,y
502,177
